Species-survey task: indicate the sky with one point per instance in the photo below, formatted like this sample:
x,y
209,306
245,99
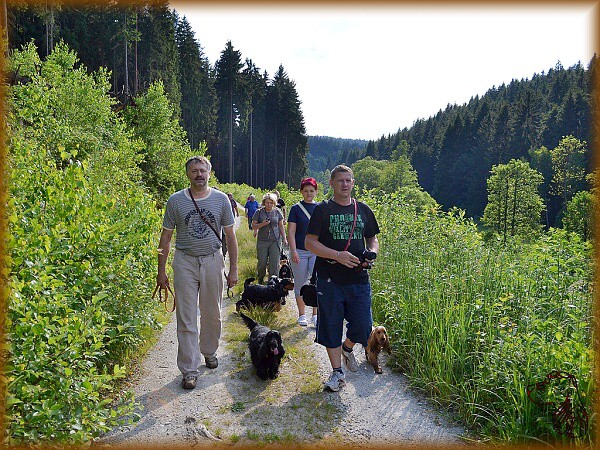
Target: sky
x,y
366,71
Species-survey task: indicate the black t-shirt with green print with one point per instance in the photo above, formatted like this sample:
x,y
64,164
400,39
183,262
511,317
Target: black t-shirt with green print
x,y
332,223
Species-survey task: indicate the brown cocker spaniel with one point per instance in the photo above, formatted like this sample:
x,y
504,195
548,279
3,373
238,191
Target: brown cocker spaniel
x,y
378,340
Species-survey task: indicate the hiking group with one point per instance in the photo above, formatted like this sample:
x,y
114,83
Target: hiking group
x,y
336,238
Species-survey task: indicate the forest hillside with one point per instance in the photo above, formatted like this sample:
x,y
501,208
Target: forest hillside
x,y
454,151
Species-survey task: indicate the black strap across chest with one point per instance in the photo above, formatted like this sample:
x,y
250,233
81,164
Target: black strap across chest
x,y
203,217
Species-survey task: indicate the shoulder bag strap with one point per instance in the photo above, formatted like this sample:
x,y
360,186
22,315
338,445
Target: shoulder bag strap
x,y
204,218
303,210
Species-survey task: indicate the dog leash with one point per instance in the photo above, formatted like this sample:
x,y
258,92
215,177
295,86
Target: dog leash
x,y
160,298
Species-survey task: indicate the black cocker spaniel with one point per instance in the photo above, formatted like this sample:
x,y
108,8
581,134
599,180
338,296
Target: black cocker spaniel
x,y
266,348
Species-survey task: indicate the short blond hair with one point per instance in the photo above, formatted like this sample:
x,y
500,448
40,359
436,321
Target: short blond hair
x,y
341,168
269,196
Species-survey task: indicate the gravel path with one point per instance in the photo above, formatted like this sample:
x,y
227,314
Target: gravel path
x,y
231,405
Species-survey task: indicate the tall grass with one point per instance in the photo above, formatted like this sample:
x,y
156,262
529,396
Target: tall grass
x,y
474,323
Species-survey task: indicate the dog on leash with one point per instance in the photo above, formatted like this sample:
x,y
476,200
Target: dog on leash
x,y
266,348
378,341
272,294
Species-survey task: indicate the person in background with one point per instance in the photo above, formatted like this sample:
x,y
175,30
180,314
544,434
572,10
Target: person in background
x,y
302,261
197,266
250,208
281,205
268,222
340,231
234,205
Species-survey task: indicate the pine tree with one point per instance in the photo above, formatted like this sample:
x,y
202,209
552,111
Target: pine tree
x,y
157,50
227,84
198,95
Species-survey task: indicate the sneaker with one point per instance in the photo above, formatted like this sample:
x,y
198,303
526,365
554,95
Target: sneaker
x,y
350,360
336,381
302,321
314,321
211,362
189,382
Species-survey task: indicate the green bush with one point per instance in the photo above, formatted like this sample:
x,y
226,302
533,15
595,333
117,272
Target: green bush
x,y
81,253
164,143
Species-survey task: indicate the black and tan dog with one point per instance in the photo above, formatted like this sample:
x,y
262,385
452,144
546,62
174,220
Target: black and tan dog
x,y
285,270
273,294
266,348
378,340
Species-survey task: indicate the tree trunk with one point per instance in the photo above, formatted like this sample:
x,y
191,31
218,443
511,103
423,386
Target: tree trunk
x,y
231,136
136,81
251,148
514,207
126,65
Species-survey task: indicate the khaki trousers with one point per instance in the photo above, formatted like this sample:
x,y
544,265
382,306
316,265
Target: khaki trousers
x,y
198,283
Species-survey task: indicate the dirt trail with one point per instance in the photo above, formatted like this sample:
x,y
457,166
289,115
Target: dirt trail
x,y
231,405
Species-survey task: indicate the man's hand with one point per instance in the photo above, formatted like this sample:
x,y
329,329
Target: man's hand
x,y
162,281
348,259
232,278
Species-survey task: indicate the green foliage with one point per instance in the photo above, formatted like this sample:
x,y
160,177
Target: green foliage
x,y
326,152
454,150
568,163
474,323
165,150
392,176
55,105
579,217
514,205
368,172
81,252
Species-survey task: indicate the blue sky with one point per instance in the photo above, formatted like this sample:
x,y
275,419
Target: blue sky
x,y
362,72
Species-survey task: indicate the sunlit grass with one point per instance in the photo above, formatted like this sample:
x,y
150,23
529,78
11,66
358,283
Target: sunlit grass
x,y
473,323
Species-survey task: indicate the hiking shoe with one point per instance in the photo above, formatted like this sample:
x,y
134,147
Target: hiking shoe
x,y
336,381
189,382
211,362
350,360
314,321
302,321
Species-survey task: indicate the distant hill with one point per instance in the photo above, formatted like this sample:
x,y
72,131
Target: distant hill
x,y
454,151
326,152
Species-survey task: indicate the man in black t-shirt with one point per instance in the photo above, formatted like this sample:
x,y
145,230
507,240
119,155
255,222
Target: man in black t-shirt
x,y
343,287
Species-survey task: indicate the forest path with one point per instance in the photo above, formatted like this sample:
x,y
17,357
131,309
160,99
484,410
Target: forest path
x,y
231,405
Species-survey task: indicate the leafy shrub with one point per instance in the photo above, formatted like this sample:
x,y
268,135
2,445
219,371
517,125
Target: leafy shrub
x,y
164,143
82,257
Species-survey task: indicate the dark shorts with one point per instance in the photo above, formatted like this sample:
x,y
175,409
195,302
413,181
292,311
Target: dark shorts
x,y
343,301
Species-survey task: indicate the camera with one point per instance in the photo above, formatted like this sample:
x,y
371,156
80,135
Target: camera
x,y
366,254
